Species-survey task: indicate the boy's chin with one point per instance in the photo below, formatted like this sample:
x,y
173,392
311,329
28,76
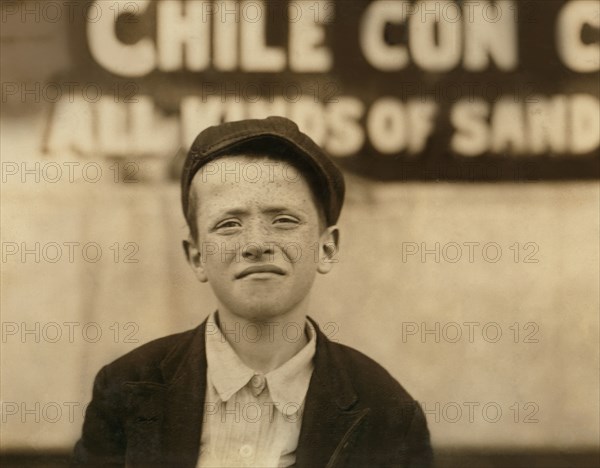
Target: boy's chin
x,y
260,312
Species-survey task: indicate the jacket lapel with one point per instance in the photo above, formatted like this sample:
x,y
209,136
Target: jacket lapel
x,y
330,418
168,418
185,370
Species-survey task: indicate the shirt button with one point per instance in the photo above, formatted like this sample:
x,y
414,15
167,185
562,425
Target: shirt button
x,y
246,451
257,381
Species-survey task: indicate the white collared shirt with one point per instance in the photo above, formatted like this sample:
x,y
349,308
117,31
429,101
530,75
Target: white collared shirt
x,y
252,419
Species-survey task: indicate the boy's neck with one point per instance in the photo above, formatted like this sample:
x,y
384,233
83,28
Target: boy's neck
x,y
265,345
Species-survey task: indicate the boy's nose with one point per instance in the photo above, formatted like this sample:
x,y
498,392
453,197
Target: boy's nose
x,y
256,250
257,243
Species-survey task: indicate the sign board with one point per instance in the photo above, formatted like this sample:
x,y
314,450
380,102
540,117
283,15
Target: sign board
x,y
392,89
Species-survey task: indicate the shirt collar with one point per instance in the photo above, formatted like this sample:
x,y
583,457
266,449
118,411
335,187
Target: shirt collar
x,y
287,385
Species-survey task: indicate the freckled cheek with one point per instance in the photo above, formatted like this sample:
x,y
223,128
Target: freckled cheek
x,y
300,249
292,251
230,251
216,253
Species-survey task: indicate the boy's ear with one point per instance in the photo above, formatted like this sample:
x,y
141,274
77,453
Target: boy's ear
x,y
328,249
192,254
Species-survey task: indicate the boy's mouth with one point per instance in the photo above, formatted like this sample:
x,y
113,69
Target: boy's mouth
x,y
260,269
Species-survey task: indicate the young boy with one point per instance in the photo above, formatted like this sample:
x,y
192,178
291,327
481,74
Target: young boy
x,y
257,383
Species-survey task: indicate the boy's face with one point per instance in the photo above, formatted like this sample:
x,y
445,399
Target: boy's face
x,y
260,241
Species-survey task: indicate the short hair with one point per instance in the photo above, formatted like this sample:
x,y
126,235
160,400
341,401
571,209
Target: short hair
x,y
275,151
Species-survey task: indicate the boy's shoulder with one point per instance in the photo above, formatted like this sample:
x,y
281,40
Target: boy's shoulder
x,y
144,362
369,378
371,381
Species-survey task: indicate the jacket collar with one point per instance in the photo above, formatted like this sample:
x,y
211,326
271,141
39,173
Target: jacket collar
x,y
189,356
174,410
331,372
330,418
184,371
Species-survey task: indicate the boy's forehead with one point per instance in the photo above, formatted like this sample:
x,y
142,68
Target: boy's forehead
x,y
238,181
278,135
248,175
250,168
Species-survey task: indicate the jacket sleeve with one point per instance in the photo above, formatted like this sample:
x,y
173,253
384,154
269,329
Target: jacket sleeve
x,y
419,453
102,441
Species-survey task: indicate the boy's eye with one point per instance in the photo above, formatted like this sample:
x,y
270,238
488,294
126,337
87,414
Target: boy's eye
x,y
230,223
286,220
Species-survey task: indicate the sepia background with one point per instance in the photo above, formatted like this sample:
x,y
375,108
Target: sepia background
x,y
468,132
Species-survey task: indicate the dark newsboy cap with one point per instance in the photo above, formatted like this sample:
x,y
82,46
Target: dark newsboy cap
x,y
234,137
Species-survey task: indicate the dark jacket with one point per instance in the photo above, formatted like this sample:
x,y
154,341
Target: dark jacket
x,y
147,410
